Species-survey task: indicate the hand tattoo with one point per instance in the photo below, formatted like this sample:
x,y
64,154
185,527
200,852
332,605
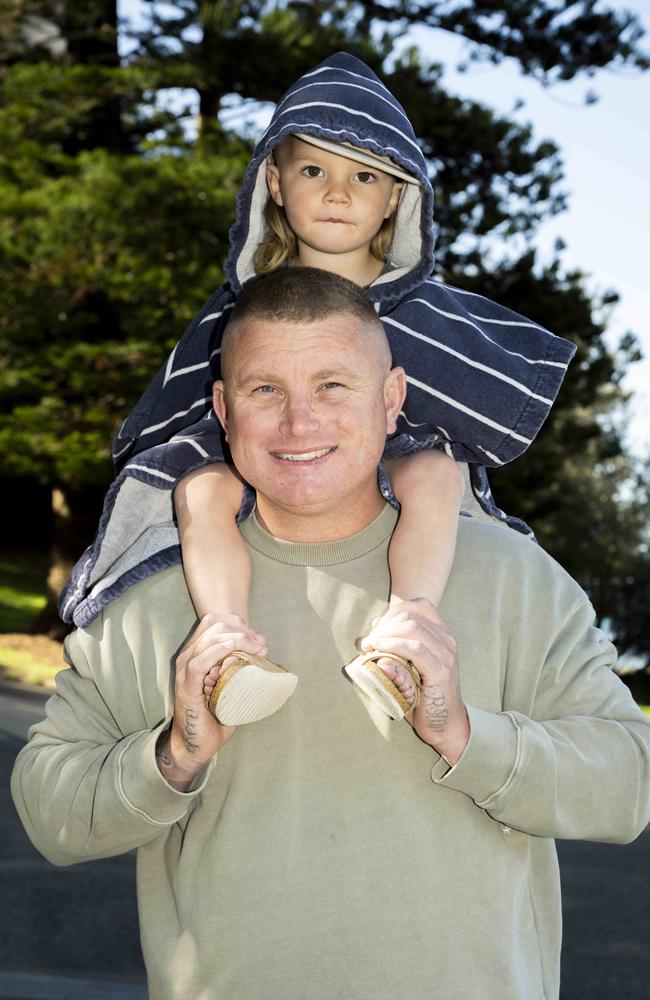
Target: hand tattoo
x,y
191,730
436,713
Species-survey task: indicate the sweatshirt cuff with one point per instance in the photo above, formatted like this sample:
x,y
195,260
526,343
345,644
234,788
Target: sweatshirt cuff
x,y
488,760
143,787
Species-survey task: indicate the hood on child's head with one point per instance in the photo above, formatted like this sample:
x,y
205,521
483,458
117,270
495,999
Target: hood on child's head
x,y
342,106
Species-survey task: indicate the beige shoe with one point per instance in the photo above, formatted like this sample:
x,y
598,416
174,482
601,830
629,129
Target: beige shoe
x,y
381,691
250,689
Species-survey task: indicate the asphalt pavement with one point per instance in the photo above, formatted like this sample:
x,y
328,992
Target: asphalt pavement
x,y
72,933
67,933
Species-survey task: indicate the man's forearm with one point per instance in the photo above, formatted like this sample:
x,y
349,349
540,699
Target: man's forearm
x,y
177,763
449,738
107,798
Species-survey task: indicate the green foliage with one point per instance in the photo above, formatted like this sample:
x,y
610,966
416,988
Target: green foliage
x,y
550,40
22,596
108,263
491,178
576,486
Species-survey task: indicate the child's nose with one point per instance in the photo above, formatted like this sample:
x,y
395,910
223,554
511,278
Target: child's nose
x,y
337,192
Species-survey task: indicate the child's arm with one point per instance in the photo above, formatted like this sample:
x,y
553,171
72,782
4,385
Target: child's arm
x,y
215,559
429,487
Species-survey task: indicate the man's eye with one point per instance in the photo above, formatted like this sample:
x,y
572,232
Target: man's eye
x,y
366,177
265,389
312,171
332,385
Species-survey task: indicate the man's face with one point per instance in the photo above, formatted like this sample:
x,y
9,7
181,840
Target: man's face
x,y
333,204
306,409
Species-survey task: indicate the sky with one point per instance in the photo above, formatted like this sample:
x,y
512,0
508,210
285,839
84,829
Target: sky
x,y
605,149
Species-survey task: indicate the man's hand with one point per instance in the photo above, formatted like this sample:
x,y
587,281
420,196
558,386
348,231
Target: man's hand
x,y
416,631
195,735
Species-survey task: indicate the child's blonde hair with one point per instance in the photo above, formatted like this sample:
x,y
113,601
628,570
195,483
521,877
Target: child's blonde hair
x,y
280,244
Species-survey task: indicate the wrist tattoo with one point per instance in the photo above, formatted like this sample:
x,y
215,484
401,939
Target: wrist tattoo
x,y
163,758
436,713
190,732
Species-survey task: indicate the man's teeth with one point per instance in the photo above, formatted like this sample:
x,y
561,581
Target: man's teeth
x,y
306,455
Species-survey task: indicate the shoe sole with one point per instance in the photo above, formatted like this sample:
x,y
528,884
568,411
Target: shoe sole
x,y
371,679
250,689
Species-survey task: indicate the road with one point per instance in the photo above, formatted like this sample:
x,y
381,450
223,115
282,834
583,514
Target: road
x,y
71,933
68,933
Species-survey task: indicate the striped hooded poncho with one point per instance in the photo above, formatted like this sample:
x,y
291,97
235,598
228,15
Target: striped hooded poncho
x,y
481,378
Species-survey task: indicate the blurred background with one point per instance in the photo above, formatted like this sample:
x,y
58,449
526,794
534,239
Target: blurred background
x,y
124,132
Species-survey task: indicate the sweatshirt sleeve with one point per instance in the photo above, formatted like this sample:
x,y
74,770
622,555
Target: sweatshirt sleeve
x,y
576,764
87,785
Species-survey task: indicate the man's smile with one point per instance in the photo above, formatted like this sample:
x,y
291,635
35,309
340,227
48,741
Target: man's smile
x,y
303,456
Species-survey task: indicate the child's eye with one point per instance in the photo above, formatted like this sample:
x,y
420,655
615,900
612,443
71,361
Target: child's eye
x,y
366,177
312,171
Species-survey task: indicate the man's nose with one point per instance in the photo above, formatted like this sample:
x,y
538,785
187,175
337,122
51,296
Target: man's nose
x,y
299,416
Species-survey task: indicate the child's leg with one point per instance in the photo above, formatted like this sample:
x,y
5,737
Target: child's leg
x,y
218,573
207,503
429,487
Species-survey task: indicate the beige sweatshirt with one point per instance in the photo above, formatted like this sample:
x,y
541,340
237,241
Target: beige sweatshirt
x,y
328,852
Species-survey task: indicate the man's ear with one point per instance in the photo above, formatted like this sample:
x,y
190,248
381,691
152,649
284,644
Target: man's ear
x,y
394,396
220,406
273,182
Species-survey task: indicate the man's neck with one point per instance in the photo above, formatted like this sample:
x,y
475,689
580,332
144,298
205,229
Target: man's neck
x,y
310,525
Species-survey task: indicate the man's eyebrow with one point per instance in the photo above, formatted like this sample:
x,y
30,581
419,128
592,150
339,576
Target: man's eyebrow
x,y
261,377
340,371
323,375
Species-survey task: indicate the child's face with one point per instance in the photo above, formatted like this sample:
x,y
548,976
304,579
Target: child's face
x,y
333,204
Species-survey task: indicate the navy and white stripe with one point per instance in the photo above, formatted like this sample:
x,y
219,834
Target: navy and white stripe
x,y
481,378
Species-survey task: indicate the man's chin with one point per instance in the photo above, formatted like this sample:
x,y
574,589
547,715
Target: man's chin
x,y
298,501
318,515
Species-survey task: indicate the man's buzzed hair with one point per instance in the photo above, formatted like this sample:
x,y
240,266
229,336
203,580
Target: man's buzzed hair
x,y
302,295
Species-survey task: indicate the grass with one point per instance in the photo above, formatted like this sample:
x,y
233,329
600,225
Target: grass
x,y
28,668
31,659
22,595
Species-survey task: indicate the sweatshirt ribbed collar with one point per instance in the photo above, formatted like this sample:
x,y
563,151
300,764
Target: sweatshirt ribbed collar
x,y
321,553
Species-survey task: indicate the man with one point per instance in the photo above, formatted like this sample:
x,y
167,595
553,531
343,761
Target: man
x,y
326,851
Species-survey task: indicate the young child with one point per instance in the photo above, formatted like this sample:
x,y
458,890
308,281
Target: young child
x,y
338,182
